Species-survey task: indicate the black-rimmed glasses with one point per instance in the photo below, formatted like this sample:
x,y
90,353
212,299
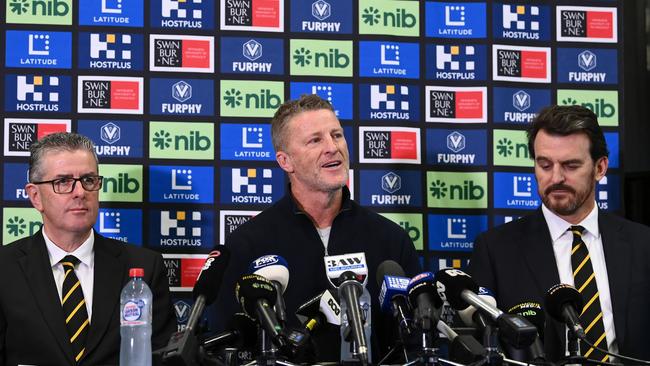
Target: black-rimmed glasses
x,y
66,185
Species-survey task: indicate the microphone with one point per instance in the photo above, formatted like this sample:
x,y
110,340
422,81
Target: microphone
x,y
460,291
393,294
476,319
463,348
563,302
323,307
424,301
534,313
242,333
275,269
182,347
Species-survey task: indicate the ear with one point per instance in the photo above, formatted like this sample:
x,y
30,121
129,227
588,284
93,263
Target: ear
x,y
601,167
34,196
285,162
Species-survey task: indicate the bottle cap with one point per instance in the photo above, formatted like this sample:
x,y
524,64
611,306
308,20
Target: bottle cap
x,y
136,272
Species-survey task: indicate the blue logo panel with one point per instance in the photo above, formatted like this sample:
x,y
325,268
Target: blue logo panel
x,y
185,229
38,49
182,14
516,191
251,186
116,139
347,132
391,188
246,142
389,102
611,138
181,184
37,93
455,232
111,51
117,13
455,20
183,97
456,147
120,224
521,22
518,105
437,263
320,16
608,192
456,62
248,55
389,59
15,178
587,66
340,95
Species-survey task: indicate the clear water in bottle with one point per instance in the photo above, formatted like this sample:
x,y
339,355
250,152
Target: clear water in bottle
x,y
135,321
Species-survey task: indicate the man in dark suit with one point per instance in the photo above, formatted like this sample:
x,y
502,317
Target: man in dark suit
x,y
521,260
60,288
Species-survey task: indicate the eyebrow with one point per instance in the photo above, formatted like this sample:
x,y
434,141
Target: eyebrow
x,y
570,161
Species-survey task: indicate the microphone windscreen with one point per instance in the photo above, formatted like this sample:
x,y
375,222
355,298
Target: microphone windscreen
x,y
209,280
423,283
388,268
560,295
533,312
246,328
251,288
273,268
453,282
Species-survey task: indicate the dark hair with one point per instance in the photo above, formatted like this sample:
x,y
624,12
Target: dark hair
x,y
569,120
59,141
289,109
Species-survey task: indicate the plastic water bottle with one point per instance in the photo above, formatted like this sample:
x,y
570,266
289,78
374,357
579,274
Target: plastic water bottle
x,y
135,321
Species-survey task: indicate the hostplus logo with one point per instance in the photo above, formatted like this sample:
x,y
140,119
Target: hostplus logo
x,y
36,93
185,225
458,62
522,22
183,13
112,50
389,102
250,185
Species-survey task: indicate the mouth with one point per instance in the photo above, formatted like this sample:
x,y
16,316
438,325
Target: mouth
x,y
332,164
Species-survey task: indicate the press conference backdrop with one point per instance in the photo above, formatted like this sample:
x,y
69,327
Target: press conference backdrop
x,y
177,95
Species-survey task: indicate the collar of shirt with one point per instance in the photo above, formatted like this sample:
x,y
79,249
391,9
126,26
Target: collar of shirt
x,y
557,226
84,253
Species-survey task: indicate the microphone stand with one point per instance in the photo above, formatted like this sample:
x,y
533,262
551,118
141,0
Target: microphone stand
x,y
574,356
268,352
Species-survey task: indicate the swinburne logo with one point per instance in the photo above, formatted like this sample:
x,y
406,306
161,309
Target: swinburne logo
x,y
460,104
181,53
586,24
250,15
389,145
183,270
21,133
229,221
518,63
109,94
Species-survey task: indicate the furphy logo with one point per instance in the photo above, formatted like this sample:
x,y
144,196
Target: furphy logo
x,y
38,49
182,140
19,222
251,185
525,22
523,64
586,24
455,232
456,62
250,98
510,148
455,20
389,145
109,94
177,53
587,66
182,272
187,97
394,18
457,190
21,133
229,221
608,192
604,103
399,188
611,138
246,142
411,223
338,94
525,103
119,139
321,16
389,59
389,102
456,147
15,177
122,183
182,229
245,55
324,58
456,105
516,191
111,51
37,93
120,224
181,184
39,11
182,14
250,15
118,13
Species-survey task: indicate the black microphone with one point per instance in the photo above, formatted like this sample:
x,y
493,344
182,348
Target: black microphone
x,y
393,294
534,313
351,290
424,300
275,269
241,333
563,302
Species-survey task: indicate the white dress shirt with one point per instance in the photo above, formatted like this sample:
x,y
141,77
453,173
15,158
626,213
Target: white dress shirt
x,y
84,271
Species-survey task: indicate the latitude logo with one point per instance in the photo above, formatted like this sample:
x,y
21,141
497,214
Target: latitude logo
x,y
252,50
456,141
587,60
181,91
321,10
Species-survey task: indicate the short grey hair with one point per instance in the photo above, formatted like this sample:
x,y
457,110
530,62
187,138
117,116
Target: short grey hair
x,y
56,142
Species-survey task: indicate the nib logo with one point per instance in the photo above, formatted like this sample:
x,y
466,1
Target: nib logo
x,y
399,18
39,7
19,6
162,140
16,226
370,16
302,57
233,98
569,101
438,189
504,147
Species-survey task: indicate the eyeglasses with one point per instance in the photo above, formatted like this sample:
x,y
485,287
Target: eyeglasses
x,y
66,185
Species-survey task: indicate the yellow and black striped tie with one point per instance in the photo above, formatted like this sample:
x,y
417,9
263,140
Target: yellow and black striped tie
x,y
74,308
591,316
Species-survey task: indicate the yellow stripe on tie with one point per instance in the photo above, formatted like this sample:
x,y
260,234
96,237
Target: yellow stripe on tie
x,y
82,302
575,248
605,358
577,232
586,282
81,353
584,261
600,315
595,345
589,303
79,331
70,292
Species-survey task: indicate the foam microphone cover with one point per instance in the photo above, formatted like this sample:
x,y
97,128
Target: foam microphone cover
x,y
560,295
388,268
209,280
533,312
273,268
246,329
423,283
251,288
454,286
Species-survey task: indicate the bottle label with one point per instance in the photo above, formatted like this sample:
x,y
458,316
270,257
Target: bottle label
x,y
132,313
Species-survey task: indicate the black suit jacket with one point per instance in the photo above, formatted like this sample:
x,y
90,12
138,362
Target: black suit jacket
x,y
32,327
517,262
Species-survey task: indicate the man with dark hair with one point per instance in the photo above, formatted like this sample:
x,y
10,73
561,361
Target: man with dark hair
x,y
316,218
60,288
569,240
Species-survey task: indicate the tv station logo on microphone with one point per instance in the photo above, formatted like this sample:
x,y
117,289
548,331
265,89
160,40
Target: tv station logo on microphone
x,y
455,20
182,229
521,64
389,102
250,15
183,270
111,51
510,148
524,105
38,49
321,58
456,104
182,97
516,191
176,53
37,93
251,186
456,147
245,55
122,224
586,24
19,222
122,183
395,188
340,95
457,190
524,22
389,145
115,13
322,16
181,140
608,192
113,138
456,62
181,184
246,142
455,233
587,66
21,133
16,175
231,220
109,94
250,98
182,14
389,59
39,12
393,18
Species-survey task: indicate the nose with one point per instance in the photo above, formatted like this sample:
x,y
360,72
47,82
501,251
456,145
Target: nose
x,y
331,145
557,175
78,189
